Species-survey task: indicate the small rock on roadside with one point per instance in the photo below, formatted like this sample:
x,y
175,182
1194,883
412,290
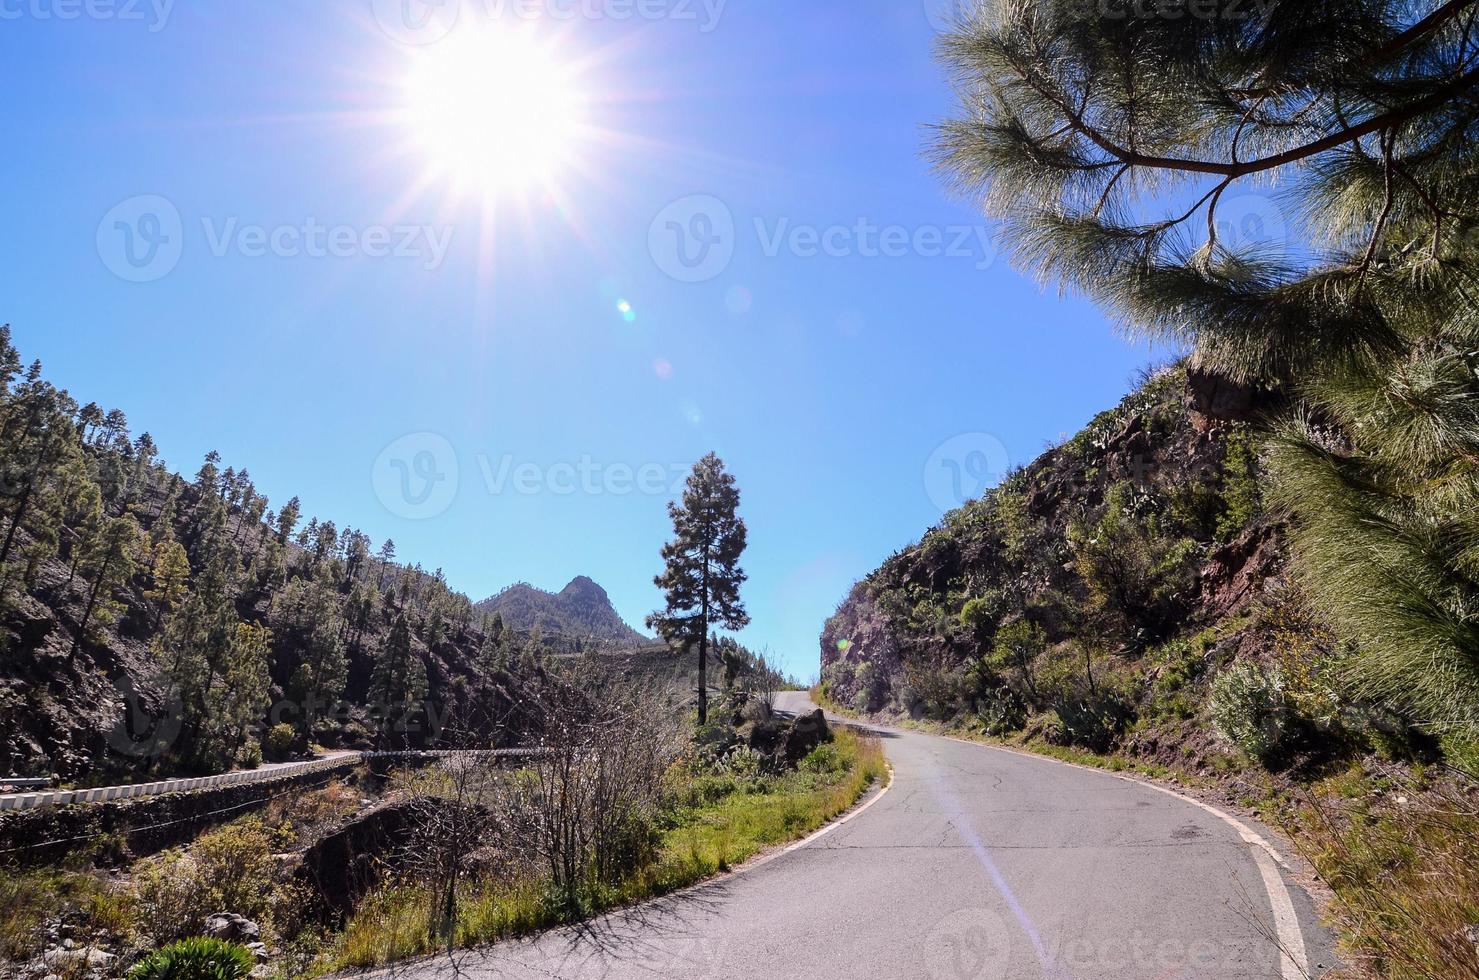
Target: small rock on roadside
x,y
232,928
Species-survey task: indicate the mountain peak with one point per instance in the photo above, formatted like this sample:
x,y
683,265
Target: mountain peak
x,y
582,583
582,609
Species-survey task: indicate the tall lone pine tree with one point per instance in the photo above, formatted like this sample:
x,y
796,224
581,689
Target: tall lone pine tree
x,y
702,579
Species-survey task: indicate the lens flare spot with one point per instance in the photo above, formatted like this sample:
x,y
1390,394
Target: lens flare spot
x,y
627,313
662,368
844,645
737,300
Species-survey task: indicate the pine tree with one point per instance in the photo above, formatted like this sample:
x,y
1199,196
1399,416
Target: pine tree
x,y
287,520
313,623
240,693
171,577
702,578
1117,148
39,439
209,473
195,646
397,683
109,560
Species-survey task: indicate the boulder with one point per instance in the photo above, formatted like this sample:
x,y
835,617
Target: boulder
x,y
232,928
804,734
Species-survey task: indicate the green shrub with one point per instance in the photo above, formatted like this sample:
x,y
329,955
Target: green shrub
x,y
1249,708
195,959
1241,497
1093,722
1001,711
231,867
825,759
278,743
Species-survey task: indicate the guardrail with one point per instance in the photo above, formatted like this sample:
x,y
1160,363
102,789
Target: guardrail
x,y
135,791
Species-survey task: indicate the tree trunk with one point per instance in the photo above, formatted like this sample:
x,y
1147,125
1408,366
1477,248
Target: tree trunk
x,y
92,604
15,523
703,646
703,671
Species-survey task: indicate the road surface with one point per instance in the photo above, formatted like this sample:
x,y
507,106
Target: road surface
x,y
976,864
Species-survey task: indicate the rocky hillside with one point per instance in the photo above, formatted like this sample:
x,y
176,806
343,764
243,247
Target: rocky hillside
x,y
153,623
580,611
1094,596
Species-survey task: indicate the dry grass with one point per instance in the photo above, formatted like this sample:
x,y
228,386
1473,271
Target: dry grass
x,y
28,898
1402,857
717,832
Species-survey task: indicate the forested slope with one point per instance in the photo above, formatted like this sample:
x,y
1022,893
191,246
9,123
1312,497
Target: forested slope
x,y
153,622
1096,597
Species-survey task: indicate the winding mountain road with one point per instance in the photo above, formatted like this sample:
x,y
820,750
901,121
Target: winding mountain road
x,y
975,864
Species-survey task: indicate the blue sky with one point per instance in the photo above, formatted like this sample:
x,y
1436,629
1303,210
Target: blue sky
x,y
847,344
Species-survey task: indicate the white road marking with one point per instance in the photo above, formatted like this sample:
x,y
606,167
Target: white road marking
x,y
1293,958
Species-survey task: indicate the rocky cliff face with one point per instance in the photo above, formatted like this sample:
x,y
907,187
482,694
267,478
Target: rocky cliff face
x,y
1144,528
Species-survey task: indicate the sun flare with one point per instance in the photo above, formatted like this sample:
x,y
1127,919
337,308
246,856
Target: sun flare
x,y
494,109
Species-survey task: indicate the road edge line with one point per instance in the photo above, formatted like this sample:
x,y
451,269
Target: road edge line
x,y
1293,948
857,810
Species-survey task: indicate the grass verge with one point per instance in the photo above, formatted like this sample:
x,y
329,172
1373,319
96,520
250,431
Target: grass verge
x,y
716,821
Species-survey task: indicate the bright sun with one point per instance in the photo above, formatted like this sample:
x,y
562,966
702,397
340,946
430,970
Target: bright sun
x,y
494,109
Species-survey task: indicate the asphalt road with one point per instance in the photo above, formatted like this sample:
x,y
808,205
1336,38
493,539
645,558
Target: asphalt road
x,y
976,864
